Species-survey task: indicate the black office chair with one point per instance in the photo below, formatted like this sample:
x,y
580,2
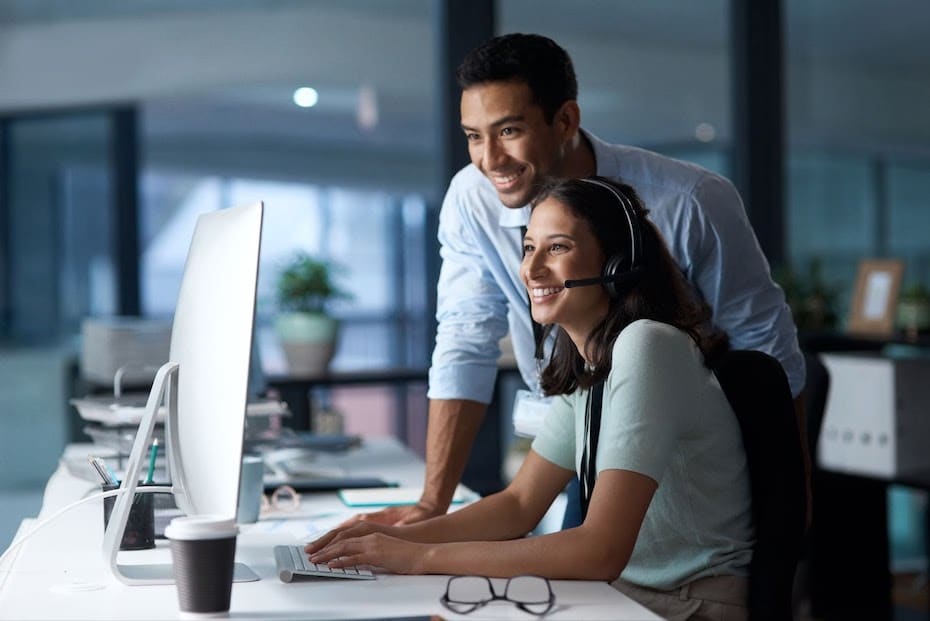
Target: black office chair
x,y
758,391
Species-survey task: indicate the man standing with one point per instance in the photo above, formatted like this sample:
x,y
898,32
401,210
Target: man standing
x,y
521,120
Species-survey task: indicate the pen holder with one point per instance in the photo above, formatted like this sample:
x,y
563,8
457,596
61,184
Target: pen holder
x,y
140,527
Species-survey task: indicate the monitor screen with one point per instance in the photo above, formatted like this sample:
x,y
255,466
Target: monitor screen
x,y
211,341
205,382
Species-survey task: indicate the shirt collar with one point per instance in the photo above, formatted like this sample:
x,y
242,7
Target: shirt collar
x,y
601,154
511,218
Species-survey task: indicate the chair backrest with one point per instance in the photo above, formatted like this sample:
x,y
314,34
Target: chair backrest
x,y
758,391
816,389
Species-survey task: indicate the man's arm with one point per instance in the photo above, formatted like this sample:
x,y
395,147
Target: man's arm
x,y
471,311
453,425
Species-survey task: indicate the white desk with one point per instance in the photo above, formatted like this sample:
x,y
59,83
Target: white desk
x,y
38,582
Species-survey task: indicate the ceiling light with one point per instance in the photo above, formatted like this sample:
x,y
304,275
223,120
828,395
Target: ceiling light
x,y
705,132
366,112
306,97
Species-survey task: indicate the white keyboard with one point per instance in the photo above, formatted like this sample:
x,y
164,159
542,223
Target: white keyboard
x,y
292,563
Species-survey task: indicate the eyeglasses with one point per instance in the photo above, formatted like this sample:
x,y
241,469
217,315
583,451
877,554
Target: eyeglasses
x,y
465,594
284,498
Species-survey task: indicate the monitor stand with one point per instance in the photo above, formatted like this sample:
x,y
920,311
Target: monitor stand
x,y
165,384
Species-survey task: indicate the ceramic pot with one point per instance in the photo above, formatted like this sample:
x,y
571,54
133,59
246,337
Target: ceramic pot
x,y
308,341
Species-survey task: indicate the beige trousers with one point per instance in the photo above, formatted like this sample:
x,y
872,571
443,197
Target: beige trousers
x,y
717,598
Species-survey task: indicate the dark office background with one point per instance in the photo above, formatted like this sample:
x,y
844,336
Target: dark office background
x,y
121,122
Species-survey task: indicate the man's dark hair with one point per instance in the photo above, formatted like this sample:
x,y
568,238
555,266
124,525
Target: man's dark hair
x,y
533,59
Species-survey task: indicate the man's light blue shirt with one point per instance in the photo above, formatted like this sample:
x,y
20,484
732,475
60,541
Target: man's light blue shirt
x,y
699,213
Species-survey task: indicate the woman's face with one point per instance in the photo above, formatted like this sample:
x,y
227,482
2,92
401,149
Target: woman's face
x,y
559,247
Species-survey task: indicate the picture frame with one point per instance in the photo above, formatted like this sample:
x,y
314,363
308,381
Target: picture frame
x,y
875,298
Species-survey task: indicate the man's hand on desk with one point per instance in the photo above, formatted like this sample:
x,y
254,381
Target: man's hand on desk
x,y
367,543
397,516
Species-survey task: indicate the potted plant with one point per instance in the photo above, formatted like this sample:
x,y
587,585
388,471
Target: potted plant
x,y
307,332
812,299
914,310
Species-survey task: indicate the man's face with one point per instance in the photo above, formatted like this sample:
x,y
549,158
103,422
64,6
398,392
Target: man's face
x,y
509,139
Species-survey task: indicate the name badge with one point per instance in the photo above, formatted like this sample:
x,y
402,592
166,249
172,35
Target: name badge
x,y
529,412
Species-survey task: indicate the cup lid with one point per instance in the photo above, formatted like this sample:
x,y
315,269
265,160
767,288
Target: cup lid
x,y
202,527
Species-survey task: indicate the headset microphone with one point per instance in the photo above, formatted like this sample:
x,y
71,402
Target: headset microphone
x,y
587,282
617,280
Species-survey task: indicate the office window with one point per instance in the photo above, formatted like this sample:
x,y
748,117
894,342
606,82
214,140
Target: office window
x,y
859,140
650,74
59,225
843,208
372,237
169,210
908,187
831,217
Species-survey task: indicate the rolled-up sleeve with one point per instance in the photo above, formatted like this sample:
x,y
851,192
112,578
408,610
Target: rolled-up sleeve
x,y
471,311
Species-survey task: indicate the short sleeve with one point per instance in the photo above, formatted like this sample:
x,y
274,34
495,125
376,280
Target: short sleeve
x,y
555,441
649,398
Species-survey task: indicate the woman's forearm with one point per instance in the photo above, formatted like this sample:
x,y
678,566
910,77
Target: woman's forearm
x,y
575,554
599,549
497,517
508,514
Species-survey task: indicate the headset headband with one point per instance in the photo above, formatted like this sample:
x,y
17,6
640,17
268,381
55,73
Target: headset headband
x,y
635,241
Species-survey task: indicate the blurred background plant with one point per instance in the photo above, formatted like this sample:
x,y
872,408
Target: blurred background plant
x,y
306,284
812,299
306,331
914,309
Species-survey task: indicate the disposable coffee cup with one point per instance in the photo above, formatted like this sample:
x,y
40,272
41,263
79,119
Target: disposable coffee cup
x,y
203,548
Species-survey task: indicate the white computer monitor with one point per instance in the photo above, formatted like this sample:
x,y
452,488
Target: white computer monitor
x,y
204,384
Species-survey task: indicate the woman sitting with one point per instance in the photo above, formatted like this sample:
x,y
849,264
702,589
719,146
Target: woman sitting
x,y
639,416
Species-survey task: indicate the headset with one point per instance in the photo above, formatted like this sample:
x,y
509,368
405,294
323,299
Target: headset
x,y
621,271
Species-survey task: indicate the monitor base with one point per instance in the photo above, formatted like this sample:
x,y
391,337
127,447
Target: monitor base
x,y
164,574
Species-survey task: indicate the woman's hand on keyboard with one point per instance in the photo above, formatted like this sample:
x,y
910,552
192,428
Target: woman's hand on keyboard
x,y
366,543
348,530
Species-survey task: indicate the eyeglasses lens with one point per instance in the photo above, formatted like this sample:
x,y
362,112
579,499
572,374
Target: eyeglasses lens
x,y
465,593
531,592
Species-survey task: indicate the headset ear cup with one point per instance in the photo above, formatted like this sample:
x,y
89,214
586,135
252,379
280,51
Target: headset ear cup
x,y
612,270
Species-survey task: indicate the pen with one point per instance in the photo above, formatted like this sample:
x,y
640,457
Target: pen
x,y
151,474
100,471
114,480
106,474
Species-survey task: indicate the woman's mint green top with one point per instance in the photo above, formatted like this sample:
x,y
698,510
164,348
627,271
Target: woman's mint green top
x,y
666,417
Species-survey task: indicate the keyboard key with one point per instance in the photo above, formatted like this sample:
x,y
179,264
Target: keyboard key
x,y
292,562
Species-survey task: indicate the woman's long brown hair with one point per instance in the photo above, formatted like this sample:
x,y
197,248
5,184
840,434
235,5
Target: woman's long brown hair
x,y
661,292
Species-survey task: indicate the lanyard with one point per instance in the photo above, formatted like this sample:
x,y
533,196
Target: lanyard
x,y
592,431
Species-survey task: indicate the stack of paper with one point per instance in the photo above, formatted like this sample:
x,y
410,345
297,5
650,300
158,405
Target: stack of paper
x,y
138,345
128,409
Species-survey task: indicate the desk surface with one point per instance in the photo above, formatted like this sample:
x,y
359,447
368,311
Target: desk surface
x,y
60,572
